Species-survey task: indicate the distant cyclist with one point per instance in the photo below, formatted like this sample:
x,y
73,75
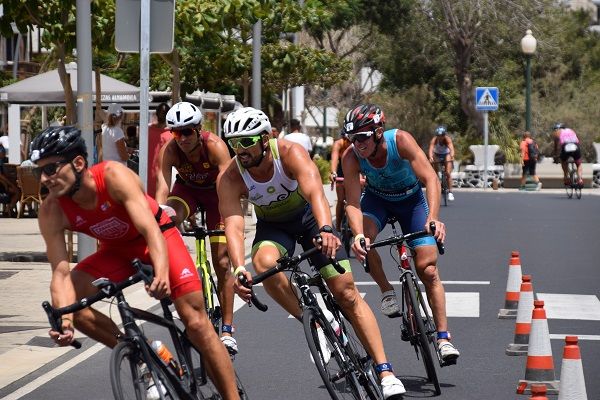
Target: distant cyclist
x,y
566,144
442,149
339,147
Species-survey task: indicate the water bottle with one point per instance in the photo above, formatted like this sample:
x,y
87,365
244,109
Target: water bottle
x,y
335,325
165,355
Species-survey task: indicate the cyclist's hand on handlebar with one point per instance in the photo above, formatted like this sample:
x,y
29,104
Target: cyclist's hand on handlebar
x,y
243,290
329,243
361,253
440,230
159,288
66,337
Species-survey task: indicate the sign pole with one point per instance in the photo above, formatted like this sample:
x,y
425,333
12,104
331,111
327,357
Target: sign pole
x,y
144,90
485,149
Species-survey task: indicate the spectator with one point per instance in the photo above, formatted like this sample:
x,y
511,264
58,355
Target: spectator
x,y
296,135
528,160
111,143
131,139
158,136
3,147
274,133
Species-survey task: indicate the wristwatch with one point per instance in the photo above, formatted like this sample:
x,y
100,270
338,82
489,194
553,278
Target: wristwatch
x,y
326,229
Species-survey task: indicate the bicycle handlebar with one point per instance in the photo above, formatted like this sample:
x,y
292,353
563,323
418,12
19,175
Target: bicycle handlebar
x,y
201,232
107,288
285,263
403,238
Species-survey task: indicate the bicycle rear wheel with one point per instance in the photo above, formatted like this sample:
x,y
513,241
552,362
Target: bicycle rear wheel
x,y
126,375
575,182
572,181
421,339
338,376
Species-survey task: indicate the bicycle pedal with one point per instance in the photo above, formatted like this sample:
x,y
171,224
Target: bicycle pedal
x,y
449,361
395,315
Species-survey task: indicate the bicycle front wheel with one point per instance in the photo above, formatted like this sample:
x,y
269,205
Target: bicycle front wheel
x,y
130,375
422,339
340,380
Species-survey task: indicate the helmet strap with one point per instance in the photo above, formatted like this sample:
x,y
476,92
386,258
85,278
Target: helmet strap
x,y
77,185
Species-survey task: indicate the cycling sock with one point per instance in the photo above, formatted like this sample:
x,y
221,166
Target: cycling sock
x,y
227,329
383,368
443,335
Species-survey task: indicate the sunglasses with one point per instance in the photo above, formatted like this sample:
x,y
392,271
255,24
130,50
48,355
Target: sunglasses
x,y
183,132
48,169
244,142
359,136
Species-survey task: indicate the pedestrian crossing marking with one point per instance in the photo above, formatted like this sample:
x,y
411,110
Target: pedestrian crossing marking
x,y
487,100
571,306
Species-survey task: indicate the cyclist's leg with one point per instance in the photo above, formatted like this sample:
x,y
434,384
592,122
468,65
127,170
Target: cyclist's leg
x,y
564,156
271,241
577,158
108,264
189,302
220,258
449,168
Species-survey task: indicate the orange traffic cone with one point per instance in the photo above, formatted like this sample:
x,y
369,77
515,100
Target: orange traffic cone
x,y
572,383
540,365
511,299
523,325
538,392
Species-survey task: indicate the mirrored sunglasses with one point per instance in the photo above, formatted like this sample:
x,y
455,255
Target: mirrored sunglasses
x,y
244,142
48,169
360,136
183,132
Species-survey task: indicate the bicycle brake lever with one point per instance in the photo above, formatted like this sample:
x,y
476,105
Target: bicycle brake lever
x,y
257,303
55,322
340,270
440,245
365,263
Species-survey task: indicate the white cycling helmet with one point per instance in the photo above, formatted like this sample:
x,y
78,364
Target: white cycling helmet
x,y
246,121
183,114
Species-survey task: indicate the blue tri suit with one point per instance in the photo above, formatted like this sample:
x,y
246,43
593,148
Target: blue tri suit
x,y
394,190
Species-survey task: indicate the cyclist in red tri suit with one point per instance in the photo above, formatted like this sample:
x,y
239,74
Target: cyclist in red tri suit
x,y
107,202
198,156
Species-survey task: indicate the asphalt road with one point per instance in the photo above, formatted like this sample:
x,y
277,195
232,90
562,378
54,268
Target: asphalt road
x,y
558,242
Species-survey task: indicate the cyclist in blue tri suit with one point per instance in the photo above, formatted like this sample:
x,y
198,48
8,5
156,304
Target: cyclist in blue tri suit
x,y
394,165
441,148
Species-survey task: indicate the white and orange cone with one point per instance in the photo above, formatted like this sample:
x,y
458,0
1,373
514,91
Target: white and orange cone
x,y
523,324
511,299
538,392
572,383
540,364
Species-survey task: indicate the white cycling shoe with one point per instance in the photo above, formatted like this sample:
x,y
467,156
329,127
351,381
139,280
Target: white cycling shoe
x,y
448,352
450,196
152,391
325,349
230,344
392,388
389,304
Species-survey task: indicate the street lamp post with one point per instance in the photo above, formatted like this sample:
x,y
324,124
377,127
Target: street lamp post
x,y
528,45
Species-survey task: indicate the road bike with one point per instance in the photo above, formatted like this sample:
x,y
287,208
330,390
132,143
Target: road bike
x,y
134,364
350,373
416,325
573,186
443,177
209,288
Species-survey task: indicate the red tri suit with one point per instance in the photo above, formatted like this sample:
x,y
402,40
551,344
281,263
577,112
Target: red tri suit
x,y
196,185
121,242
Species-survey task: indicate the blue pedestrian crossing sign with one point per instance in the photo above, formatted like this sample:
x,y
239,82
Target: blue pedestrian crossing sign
x,y
486,98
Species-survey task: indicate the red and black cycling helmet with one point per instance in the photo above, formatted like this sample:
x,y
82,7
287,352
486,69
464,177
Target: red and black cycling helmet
x,y
363,116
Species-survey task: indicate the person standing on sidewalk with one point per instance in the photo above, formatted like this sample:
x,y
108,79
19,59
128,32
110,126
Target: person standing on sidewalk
x,y
529,158
108,203
285,187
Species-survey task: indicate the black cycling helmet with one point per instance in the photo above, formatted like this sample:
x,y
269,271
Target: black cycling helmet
x,y
62,141
440,130
559,125
363,115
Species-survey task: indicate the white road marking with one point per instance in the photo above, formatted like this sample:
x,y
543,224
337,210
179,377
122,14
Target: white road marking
x,y
371,283
571,306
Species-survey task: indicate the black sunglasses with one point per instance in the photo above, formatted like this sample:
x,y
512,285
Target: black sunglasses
x,y
360,136
183,132
48,169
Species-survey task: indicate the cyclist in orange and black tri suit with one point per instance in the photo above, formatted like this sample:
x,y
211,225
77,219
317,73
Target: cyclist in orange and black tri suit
x,y
198,156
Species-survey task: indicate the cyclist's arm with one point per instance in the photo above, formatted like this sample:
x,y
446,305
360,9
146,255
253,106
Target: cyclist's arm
x,y
430,151
335,158
450,147
122,149
410,150
230,188
163,178
218,154
556,138
352,186
125,187
53,223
